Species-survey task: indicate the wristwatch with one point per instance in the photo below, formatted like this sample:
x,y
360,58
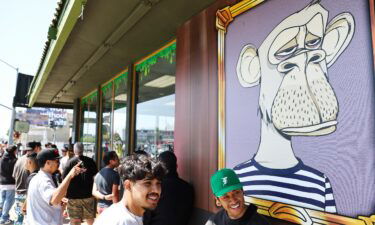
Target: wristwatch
x,y
103,197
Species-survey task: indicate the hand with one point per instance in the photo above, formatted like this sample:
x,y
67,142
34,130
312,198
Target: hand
x,y
64,202
76,170
109,197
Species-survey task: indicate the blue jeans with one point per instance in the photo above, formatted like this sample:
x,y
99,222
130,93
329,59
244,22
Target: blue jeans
x,y
19,201
6,202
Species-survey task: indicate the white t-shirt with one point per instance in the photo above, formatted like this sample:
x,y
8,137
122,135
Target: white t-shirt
x,y
63,162
118,214
39,211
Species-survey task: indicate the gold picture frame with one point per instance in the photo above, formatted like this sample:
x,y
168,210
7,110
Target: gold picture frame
x,y
277,210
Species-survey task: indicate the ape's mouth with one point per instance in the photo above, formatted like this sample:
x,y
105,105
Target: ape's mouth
x,y
313,130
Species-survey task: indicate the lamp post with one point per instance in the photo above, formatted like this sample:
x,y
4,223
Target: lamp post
x,y
14,108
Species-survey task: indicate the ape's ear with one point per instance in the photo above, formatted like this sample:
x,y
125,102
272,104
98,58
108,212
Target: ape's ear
x,y
337,37
248,67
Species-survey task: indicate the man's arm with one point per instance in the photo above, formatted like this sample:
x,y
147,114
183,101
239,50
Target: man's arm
x,y
60,192
115,193
96,193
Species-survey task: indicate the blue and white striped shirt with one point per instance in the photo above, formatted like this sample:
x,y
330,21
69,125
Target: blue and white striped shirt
x,y
300,185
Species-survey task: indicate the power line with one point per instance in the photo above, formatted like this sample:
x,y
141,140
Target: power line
x,y
6,106
9,65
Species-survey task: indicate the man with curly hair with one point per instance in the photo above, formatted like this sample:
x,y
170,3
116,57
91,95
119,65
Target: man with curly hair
x,y
141,178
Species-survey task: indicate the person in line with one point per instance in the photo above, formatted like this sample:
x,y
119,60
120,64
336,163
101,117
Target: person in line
x,y
68,149
37,147
48,145
20,175
107,181
229,195
33,168
64,151
7,183
81,205
141,177
44,199
177,197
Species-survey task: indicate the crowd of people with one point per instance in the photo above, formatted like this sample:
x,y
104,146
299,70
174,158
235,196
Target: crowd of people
x,y
44,186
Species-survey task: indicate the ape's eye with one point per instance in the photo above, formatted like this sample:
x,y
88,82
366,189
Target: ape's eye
x,y
287,49
313,43
285,52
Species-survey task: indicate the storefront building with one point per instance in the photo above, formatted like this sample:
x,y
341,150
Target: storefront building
x,y
282,91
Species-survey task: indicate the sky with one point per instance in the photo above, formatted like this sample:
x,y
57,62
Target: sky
x,y
23,32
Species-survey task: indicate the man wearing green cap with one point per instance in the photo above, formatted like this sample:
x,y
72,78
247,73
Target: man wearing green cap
x,y
228,192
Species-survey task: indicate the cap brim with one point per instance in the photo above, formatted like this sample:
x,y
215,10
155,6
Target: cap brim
x,y
228,189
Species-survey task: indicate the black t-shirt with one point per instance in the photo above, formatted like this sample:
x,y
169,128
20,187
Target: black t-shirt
x,y
104,181
81,185
30,177
251,217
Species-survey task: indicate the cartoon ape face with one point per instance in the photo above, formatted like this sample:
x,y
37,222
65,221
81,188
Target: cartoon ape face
x,y
291,64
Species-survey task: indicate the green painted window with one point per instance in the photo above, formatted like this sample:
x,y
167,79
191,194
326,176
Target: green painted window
x,y
88,123
156,101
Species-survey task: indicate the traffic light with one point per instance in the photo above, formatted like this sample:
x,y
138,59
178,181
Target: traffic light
x,y
52,124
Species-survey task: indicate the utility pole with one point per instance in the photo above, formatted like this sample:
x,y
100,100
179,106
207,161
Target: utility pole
x,y
11,129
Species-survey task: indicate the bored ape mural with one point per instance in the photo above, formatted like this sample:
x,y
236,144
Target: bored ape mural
x,y
296,107
296,99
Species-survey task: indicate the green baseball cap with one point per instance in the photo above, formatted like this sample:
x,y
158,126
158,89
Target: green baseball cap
x,y
223,181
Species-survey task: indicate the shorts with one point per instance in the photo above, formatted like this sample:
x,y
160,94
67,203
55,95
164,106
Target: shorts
x,y
84,208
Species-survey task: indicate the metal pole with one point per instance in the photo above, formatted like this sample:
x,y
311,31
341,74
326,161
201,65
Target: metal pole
x,y
11,129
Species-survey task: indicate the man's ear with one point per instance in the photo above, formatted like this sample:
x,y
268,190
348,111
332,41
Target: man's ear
x,y
127,185
248,67
218,203
337,37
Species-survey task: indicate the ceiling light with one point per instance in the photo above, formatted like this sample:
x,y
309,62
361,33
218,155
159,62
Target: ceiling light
x,y
121,97
162,82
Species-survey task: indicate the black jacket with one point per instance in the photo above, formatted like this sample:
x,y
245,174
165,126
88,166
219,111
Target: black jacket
x,y
176,202
251,217
6,168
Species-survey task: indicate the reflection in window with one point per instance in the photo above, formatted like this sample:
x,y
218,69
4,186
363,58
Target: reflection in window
x,y
119,114
156,102
88,124
107,116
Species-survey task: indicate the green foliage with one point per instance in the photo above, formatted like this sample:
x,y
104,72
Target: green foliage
x,y
90,99
168,53
107,88
122,78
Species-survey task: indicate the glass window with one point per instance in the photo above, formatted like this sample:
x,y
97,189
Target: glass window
x,y
119,114
156,101
107,91
88,124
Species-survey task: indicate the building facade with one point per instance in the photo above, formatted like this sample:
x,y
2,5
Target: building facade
x,y
282,91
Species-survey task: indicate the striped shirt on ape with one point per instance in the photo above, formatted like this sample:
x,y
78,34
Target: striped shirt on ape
x,y
300,185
